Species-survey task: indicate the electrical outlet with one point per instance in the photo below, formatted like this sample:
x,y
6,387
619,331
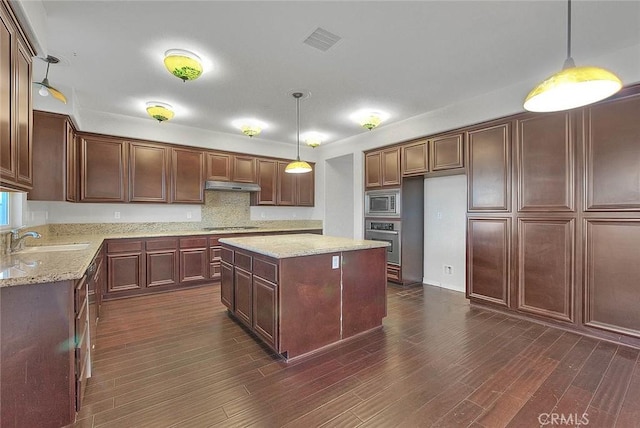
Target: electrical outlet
x,y
188,214
116,214
335,262
439,215
448,270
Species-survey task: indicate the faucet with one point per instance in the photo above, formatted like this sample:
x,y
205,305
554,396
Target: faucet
x,y
16,241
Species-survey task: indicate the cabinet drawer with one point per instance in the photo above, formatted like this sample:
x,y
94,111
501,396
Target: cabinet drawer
x,y
80,294
227,255
215,254
161,244
266,270
124,246
214,241
199,242
243,261
394,273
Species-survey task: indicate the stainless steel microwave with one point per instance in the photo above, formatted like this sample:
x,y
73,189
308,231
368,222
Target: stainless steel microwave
x,y
382,203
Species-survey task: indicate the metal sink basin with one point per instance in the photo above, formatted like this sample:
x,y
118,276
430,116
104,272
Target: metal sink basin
x,y
53,248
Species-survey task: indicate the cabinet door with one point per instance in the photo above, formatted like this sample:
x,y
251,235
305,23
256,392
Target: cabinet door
x,y
148,173
71,146
7,131
214,265
187,176
286,194
545,156
373,170
244,169
415,158
446,152
219,166
103,170
162,261
391,167
489,259
49,146
267,172
305,189
242,293
24,155
226,286
489,177
194,260
265,310
125,272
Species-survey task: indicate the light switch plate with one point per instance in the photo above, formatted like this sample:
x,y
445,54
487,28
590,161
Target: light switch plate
x,y
335,262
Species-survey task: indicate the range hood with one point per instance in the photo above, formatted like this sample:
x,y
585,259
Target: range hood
x,y
231,186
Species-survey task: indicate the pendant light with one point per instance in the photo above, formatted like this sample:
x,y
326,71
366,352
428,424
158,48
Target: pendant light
x,y
573,86
298,166
45,87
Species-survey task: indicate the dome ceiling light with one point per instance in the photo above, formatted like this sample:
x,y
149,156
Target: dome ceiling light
x,y
160,111
573,86
369,119
249,127
183,64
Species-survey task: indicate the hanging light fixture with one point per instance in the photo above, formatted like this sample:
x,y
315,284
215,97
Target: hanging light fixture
x,y
573,86
297,166
183,64
45,87
160,111
249,127
369,119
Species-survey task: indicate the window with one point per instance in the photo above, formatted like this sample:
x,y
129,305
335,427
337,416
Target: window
x,y
4,209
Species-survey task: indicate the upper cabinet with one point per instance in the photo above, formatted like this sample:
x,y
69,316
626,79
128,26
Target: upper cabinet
x,y
382,168
281,188
415,158
53,178
148,173
16,153
187,176
267,173
244,169
103,169
219,166
446,152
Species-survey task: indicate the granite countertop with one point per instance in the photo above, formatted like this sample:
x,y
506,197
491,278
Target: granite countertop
x,y
23,268
304,244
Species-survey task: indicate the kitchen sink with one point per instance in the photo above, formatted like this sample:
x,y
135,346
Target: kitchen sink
x,y
55,248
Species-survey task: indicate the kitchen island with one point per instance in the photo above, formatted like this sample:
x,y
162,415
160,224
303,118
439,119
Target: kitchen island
x,y
302,293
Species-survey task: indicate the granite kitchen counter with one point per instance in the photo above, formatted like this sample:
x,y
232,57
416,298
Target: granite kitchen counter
x,y
296,245
24,268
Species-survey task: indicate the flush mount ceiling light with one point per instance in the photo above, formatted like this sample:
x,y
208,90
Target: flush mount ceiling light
x,y
249,127
183,64
297,166
572,86
370,119
159,111
313,139
45,87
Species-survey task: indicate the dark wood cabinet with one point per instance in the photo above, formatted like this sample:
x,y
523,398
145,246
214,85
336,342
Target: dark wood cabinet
x,y
286,194
16,164
50,140
612,149
226,286
294,189
125,266
194,261
72,188
545,163
242,292
103,169
187,176
244,169
415,158
215,258
265,310
267,173
446,152
218,166
489,259
382,168
161,262
489,163
148,173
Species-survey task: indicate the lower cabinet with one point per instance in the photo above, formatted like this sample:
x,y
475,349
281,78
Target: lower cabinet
x,y
162,262
194,259
226,286
265,297
243,295
125,266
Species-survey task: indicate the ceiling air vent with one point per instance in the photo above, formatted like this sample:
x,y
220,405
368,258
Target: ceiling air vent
x,y
322,39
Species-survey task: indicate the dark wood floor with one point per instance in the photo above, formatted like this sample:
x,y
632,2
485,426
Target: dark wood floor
x,y
177,360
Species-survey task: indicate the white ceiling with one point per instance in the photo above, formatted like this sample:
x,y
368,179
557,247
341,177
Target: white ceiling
x,y
405,58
